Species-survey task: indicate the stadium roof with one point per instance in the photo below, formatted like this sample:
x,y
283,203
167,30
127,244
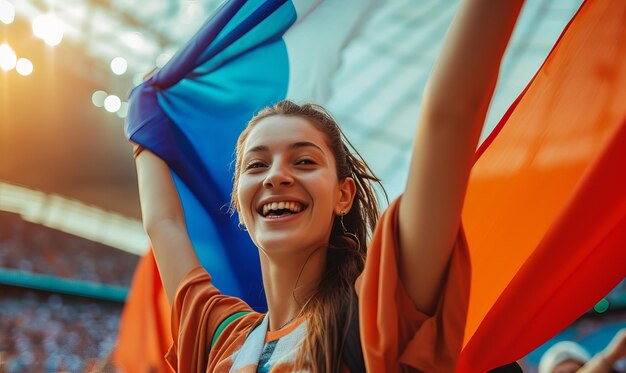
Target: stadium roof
x,y
74,217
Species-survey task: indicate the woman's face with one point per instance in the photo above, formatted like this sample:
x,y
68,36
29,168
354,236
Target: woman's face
x,y
288,190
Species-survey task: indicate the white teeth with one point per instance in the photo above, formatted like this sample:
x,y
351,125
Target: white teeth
x,y
272,206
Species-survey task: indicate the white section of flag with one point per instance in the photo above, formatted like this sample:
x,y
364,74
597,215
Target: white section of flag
x,y
316,41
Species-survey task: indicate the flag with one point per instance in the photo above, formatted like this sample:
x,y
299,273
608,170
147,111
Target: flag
x,y
249,55
545,211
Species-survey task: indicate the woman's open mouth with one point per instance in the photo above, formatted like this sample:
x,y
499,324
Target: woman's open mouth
x,y
278,210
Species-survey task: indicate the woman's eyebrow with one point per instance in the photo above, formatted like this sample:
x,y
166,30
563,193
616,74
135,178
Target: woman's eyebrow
x,y
304,144
295,145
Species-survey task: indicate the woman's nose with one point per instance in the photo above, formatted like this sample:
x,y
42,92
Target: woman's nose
x,y
277,175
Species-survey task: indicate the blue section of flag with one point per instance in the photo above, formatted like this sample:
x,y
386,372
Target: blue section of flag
x,y
190,114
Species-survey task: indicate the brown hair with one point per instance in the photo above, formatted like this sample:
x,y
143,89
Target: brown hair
x,y
330,309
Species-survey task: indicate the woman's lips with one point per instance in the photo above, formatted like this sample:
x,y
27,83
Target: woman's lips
x,y
282,218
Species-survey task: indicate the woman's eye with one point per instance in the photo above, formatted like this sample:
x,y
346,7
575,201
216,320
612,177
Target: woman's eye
x,y
305,162
253,165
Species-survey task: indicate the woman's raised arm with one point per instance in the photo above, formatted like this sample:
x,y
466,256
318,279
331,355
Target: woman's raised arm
x,y
164,221
455,104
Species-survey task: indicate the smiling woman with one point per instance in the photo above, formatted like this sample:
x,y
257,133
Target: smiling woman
x,y
336,302
295,156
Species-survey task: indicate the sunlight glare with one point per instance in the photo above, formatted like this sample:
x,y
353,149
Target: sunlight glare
x,y
8,59
49,28
7,12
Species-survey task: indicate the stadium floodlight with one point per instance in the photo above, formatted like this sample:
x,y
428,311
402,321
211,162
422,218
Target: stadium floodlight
x,y
48,28
192,11
138,78
112,103
8,59
163,58
98,97
123,111
134,40
7,12
119,65
24,67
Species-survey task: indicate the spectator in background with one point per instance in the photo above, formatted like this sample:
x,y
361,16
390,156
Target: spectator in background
x,y
563,357
570,357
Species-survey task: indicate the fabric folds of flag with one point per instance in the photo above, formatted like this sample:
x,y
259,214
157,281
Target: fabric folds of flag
x,y
545,212
249,55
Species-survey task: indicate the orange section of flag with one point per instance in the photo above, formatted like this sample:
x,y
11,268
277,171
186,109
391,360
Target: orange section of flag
x,y
144,332
545,208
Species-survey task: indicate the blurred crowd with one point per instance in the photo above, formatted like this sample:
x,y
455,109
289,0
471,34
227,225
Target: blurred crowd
x,y
34,248
44,332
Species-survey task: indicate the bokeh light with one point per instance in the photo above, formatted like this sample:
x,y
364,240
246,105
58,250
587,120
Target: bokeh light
x,y
24,66
191,11
8,59
601,306
163,58
138,78
7,12
98,97
49,28
123,111
134,40
112,103
119,65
